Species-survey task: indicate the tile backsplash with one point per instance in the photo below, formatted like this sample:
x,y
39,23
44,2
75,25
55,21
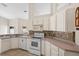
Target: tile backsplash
x,y
64,35
61,35
58,34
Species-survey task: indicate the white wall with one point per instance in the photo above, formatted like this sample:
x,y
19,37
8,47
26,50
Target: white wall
x,y
38,9
3,25
14,23
27,23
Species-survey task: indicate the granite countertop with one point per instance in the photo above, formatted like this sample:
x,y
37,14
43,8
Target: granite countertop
x,y
65,45
9,36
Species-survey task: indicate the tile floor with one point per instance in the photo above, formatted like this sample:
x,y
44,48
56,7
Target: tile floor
x,y
16,52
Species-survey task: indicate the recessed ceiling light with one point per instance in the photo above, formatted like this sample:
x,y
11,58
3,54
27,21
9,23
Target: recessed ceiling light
x,y
3,4
25,11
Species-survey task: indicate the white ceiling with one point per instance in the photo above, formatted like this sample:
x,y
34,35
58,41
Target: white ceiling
x,y
42,8
14,10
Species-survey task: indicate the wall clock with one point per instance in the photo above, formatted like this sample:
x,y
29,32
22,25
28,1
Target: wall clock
x,y
77,17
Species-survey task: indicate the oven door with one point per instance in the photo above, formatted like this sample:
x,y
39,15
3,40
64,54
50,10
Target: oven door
x,y
35,44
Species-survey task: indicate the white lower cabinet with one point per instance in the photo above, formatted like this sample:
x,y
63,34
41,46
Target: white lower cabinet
x,y
5,45
14,43
23,43
28,44
61,52
54,50
43,48
47,48
67,53
0,45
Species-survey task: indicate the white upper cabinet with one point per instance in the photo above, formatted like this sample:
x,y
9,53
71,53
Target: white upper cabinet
x,y
46,24
38,20
70,19
61,21
57,22
34,22
53,22
41,20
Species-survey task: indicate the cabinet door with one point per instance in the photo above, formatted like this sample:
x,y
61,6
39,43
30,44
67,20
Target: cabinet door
x,y
28,44
46,23
14,43
70,19
53,23
5,45
38,20
34,21
43,47
54,50
77,37
47,48
61,52
23,43
61,21
0,46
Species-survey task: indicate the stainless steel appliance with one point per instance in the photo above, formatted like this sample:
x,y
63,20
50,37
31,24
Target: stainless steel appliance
x,y
35,47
